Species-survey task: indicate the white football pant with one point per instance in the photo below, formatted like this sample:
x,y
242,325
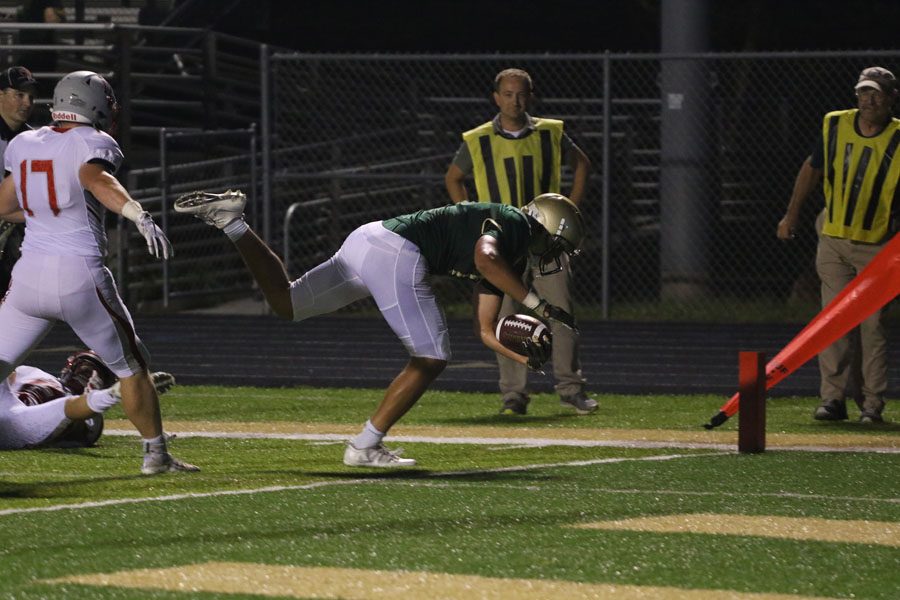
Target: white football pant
x,y
78,290
376,262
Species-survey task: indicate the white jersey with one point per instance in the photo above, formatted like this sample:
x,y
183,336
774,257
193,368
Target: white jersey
x,y
61,217
9,388
23,426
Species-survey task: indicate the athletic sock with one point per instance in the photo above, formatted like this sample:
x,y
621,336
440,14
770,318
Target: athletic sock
x,y
155,445
368,438
100,401
236,229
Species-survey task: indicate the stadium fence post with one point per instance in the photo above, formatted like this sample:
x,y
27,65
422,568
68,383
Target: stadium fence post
x,y
752,416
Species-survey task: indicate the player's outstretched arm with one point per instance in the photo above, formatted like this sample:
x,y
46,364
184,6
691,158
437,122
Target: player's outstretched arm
x,y
110,193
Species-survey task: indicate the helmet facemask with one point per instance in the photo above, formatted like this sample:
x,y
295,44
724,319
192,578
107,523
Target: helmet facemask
x,y
547,250
563,231
80,368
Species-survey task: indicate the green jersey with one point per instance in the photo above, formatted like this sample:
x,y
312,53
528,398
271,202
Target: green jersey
x,y
446,236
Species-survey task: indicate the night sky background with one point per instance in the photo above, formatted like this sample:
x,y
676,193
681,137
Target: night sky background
x,y
554,25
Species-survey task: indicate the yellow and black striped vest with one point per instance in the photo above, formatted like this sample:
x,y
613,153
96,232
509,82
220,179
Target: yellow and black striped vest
x,y
515,170
860,178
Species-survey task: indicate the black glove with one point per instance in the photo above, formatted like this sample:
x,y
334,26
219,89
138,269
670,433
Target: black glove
x,y
537,352
555,313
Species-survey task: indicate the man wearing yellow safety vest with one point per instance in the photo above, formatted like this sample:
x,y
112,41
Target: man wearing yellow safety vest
x,y
513,158
855,160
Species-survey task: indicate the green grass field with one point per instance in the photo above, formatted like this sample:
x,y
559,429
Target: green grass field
x,y
635,501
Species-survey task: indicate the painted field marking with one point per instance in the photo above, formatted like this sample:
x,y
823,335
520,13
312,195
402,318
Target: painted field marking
x,y
324,484
358,584
531,442
573,436
430,439
788,495
661,492
881,533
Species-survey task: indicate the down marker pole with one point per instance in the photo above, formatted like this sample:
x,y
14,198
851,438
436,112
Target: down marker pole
x,y
752,416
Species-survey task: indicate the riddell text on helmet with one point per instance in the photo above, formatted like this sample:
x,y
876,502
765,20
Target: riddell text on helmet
x,y
60,115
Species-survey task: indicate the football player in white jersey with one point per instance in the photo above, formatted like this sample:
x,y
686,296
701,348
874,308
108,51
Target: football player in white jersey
x,y
36,409
39,409
61,184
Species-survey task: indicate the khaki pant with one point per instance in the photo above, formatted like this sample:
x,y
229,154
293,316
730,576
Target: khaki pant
x,y
856,364
566,365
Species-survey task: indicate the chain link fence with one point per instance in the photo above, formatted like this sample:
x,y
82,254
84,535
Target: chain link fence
x,y
693,157
205,264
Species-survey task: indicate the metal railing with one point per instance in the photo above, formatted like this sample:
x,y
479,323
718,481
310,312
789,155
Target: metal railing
x,y
204,264
163,76
356,138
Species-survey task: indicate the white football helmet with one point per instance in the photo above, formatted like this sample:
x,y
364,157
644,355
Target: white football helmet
x,y
85,97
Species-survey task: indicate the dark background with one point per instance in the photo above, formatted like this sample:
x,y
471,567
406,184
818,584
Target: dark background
x,y
552,25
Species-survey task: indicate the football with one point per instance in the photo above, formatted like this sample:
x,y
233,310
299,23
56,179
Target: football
x,y
512,330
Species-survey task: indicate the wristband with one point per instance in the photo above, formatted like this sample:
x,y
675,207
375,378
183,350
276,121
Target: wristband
x,y
132,210
531,301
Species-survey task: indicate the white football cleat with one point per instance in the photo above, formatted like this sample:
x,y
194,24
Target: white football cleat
x,y
163,462
158,460
217,210
379,456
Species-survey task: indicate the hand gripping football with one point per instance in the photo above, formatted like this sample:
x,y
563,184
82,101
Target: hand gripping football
x,y
514,330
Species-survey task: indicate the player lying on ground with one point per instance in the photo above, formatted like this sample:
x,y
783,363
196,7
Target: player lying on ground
x,y
390,261
39,409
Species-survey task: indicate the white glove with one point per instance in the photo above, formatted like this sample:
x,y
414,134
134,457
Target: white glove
x,y
545,310
158,244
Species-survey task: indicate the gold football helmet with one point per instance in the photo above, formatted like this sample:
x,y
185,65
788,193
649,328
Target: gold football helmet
x,y
565,226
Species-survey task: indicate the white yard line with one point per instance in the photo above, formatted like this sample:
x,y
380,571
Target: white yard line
x,y
718,450
484,441
323,484
506,442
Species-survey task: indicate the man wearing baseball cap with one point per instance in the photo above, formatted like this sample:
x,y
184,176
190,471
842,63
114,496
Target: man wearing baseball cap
x,y
17,88
855,160
878,78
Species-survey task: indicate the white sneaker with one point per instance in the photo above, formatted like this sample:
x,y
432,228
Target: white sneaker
x,y
379,456
217,210
163,462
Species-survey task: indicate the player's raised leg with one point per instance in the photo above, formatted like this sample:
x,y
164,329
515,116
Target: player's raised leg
x,y
225,211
